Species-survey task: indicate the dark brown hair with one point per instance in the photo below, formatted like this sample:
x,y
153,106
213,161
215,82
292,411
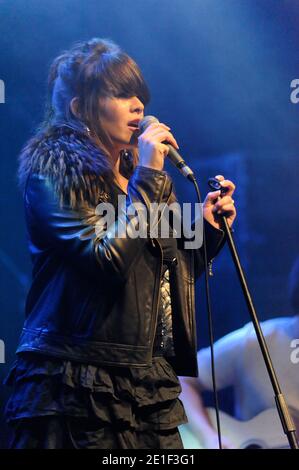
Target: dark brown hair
x,y
88,71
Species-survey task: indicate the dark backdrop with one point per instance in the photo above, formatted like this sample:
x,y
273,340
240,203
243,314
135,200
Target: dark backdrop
x,y
219,73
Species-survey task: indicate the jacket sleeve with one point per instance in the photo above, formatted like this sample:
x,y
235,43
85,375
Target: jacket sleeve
x,y
215,240
72,233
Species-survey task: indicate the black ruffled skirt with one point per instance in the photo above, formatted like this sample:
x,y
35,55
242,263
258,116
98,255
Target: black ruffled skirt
x,y
59,403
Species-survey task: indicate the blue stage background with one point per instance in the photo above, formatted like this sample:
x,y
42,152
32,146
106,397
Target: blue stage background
x,y
219,73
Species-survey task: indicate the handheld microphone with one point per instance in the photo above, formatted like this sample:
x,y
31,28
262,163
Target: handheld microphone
x,y
173,155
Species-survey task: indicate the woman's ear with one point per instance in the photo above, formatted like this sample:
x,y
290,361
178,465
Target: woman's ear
x,y
74,105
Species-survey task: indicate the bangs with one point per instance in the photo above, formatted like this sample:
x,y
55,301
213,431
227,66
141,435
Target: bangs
x,y
120,77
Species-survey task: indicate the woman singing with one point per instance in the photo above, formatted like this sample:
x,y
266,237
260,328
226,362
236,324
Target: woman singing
x,y
110,318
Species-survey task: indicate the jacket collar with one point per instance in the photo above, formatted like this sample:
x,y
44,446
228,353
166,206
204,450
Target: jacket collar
x,y
77,168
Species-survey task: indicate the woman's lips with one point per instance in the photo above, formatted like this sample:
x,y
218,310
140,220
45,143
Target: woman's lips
x,y
134,124
133,128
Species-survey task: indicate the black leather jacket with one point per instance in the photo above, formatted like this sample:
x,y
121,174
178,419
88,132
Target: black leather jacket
x,y
95,299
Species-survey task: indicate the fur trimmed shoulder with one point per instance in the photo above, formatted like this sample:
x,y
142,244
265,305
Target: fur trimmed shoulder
x,y
76,167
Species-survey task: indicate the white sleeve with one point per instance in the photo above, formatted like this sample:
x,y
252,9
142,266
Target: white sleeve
x,y
227,351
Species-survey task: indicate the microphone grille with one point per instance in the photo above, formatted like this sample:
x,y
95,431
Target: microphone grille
x,y
147,121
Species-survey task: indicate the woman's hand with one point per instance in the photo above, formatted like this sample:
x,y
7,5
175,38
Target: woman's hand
x,y
213,209
151,150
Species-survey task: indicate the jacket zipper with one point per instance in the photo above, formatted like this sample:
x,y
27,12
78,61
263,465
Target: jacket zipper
x,y
158,297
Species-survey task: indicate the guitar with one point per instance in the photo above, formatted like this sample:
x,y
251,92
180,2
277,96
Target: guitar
x,y
264,431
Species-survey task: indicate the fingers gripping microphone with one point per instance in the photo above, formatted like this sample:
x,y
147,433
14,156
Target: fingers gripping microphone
x,y
173,155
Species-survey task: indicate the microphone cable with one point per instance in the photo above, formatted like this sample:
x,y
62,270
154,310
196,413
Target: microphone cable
x,y
210,319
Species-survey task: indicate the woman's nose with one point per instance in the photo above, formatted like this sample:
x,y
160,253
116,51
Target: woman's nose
x,y
137,106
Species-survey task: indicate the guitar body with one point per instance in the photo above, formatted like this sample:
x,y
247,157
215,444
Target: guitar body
x,y
263,431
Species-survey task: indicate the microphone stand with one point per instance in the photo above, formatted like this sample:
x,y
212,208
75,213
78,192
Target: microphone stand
x,y
283,411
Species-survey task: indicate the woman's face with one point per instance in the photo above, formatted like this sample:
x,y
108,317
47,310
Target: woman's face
x,y
120,118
